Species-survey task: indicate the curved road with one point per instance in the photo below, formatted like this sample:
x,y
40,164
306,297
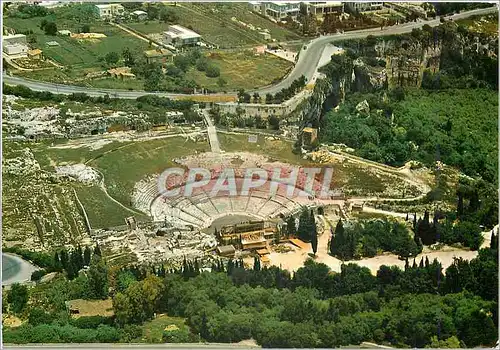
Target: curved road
x,y
306,64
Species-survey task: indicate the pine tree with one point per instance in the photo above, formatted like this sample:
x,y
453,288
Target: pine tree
x,y
87,256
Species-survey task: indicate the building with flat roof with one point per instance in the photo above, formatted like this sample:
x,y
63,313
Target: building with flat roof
x,y
110,10
158,55
226,250
18,50
364,6
323,8
140,15
14,39
281,10
180,36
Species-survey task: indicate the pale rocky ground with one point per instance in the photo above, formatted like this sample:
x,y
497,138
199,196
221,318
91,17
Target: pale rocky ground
x,y
293,260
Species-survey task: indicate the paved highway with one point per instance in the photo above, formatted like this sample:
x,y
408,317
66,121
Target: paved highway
x,y
306,64
310,54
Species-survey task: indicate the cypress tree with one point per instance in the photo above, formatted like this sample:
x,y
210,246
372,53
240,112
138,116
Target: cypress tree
x,y
494,241
406,217
291,230
86,256
421,265
407,265
426,261
79,257
314,240
97,250
256,264
314,234
339,241
414,264
64,259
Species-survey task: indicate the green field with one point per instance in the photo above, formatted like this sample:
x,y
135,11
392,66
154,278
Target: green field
x,y
242,70
213,22
101,211
126,166
78,53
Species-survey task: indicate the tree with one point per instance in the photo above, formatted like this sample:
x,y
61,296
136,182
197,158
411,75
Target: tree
x,y
305,229
291,230
85,29
139,301
128,58
87,256
212,71
241,94
167,15
112,57
269,98
221,82
50,28
18,297
97,250
256,263
274,122
64,259
98,278
256,97
182,61
314,239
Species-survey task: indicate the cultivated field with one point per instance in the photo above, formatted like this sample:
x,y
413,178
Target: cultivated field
x,y
213,22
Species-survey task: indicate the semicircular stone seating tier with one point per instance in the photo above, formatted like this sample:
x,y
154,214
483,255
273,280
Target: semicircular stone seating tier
x,y
202,207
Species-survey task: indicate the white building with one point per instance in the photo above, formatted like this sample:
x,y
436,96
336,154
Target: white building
x,y
365,6
281,10
15,45
254,6
140,15
322,8
18,50
110,10
14,39
180,36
